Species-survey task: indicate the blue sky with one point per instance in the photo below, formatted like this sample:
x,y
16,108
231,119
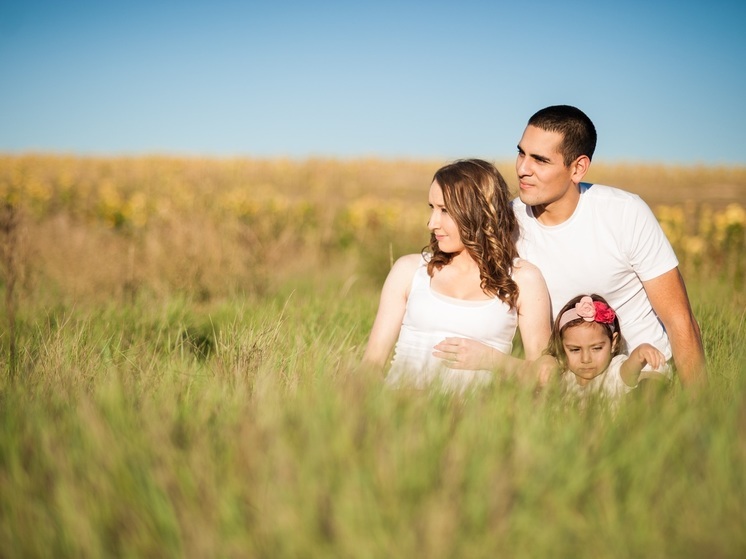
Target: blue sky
x,y
663,81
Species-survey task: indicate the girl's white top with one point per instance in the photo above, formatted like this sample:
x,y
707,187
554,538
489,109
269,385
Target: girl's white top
x,y
607,386
431,317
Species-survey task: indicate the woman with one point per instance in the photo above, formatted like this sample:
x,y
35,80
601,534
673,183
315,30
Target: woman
x,y
452,311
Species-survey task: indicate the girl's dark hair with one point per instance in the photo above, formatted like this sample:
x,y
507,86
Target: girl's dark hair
x,y
476,197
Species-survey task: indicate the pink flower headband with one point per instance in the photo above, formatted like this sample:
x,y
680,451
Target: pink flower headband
x,y
590,311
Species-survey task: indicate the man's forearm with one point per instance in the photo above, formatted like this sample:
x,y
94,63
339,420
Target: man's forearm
x,y
689,358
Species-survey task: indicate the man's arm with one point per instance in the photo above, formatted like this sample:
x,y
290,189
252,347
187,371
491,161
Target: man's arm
x,y
667,294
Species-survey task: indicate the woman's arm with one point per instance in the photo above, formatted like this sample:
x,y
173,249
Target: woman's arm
x,y
534,309
391,308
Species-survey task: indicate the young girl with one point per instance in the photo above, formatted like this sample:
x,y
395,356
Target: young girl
x,y
467,286
588,346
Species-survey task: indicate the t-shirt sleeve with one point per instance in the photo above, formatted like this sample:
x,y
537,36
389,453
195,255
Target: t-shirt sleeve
x,y
615,384
649,251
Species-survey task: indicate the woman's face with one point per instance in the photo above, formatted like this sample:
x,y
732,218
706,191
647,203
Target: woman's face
x,y
588,349
441,223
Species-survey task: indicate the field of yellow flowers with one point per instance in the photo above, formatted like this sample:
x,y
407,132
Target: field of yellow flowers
x,y
102,227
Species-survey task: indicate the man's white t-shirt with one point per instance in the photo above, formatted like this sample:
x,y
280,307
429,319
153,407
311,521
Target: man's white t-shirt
x,y
609,246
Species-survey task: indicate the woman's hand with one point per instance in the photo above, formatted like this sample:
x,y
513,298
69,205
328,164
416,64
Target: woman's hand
x,y
544,369
463,353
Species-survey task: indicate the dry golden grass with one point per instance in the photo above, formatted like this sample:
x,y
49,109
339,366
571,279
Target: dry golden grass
x,y
97,228
716,186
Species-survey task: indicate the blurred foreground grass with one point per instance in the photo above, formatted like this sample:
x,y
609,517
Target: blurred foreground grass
x,y
184,383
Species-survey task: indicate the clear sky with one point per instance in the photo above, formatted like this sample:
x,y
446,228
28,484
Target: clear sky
x,y
664,81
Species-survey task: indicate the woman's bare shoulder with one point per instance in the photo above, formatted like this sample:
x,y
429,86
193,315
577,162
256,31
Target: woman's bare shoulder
x,y
524,266
404,268
526,272
407,262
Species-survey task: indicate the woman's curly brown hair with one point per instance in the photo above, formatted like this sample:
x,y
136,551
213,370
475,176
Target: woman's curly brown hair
x,y
476,196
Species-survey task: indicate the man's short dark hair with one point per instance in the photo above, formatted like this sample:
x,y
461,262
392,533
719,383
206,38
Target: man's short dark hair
x,y
578,132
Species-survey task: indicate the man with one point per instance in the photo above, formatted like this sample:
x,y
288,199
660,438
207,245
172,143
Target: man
x,y
588,238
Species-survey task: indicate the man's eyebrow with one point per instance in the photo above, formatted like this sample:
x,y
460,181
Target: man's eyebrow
x,y
535,156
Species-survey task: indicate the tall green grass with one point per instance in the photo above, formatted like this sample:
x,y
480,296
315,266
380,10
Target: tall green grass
x,y
179,377
170,428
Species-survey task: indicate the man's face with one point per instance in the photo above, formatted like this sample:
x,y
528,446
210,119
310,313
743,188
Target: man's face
x,y
542,176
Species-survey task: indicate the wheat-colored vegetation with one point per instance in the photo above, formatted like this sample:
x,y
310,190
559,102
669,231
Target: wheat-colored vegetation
x,y
179,349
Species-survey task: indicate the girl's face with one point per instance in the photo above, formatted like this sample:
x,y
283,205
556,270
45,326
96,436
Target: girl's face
x,y
441,223
588,350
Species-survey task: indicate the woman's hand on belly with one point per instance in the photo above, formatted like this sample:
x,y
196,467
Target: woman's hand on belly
x,y
463,353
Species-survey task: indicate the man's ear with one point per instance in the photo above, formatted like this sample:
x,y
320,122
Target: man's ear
x,y
580,167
